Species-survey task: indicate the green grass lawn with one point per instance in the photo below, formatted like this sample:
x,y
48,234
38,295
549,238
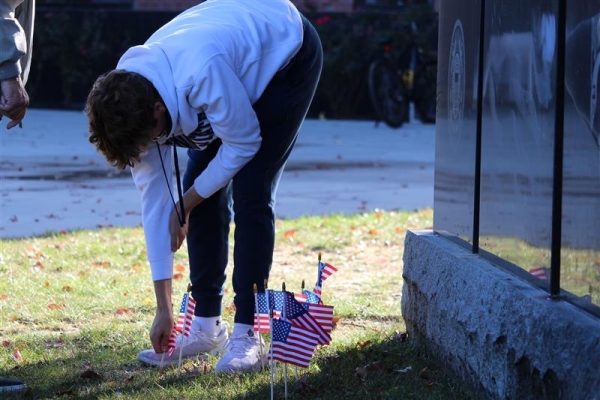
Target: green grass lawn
x,y
78,307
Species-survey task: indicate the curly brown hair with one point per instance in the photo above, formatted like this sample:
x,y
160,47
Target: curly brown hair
x,y
120,113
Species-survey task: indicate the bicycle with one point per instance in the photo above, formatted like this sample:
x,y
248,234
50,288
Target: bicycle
x,y
395,82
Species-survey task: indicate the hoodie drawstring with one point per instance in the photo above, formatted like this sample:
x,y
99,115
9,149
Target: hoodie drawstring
x,y
181,212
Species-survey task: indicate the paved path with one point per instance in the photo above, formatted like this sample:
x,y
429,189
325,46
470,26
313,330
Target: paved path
x,y
52,179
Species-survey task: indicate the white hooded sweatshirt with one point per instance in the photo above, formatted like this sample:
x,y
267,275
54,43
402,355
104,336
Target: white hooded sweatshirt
x,y
210,64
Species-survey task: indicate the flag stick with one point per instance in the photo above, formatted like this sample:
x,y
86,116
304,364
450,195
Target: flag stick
x,y
285,369
261,350
295,366
319,271
187,299
271,362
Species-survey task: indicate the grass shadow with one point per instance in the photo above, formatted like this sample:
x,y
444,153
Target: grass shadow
x,y
384,368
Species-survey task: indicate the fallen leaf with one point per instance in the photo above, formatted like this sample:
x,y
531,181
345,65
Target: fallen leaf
x,y
46,284
101,264
364,344
361,372
289,234
148,302
180,268
373,232
38,265
16,355
122,311
335,321
399,230
137,267
55,307
6,343
193,372
177,276
3,296
67,288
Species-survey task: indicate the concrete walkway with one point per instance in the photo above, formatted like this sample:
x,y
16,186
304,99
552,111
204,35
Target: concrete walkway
x,y
52,179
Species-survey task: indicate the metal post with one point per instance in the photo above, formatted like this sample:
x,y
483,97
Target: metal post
x,y
477,183
559,127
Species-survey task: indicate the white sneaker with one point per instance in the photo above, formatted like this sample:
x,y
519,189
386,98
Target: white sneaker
x,y
246,352
191,346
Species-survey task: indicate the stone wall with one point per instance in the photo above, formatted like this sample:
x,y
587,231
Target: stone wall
x,y
495,330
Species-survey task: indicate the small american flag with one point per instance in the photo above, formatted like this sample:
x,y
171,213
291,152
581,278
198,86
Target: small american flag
x,y
311,297
301,297
292,344
318,289
186,314
321,313
300,317
261,317
325,271
540,273
172,342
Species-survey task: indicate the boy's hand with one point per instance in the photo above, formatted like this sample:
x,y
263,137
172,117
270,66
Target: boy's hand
x,y
13,101
161,330
177,231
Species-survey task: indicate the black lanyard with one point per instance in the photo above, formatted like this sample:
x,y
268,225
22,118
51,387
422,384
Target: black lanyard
x,y
181,212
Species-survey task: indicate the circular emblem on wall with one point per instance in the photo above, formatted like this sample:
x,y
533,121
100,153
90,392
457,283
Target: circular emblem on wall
x,y
456,77
595,86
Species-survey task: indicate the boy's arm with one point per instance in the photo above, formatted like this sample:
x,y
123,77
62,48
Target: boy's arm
x,y
223,98
13,43
156,208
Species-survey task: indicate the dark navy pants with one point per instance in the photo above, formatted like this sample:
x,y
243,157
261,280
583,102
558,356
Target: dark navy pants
x,y
251,194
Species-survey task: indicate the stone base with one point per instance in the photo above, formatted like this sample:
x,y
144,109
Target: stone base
x,y
495,330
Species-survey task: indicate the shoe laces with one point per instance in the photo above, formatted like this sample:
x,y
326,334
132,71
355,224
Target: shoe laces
x,y
195,335
241,345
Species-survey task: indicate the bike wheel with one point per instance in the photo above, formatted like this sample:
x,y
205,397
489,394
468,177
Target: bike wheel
x,y
387,93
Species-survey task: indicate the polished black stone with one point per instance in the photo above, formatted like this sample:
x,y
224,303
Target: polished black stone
x,y
518,135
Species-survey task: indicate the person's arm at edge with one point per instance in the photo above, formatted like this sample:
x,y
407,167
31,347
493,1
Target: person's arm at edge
x,y
13,47
232,119
156,207
13,43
